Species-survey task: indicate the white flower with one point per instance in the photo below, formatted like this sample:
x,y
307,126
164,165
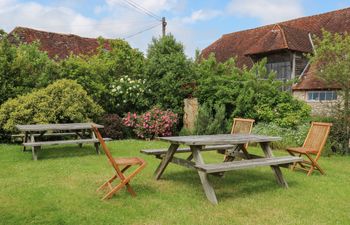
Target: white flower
x,y
121,80
114,90
129,79
118,104
131,82
124,101
129,88
118,87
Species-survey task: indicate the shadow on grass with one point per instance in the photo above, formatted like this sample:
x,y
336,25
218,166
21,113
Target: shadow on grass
x,y
62,151
234,184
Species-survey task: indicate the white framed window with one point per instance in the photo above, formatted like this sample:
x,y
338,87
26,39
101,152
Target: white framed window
x,y
316,96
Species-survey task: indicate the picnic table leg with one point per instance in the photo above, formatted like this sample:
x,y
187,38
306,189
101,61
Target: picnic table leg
x,y
34,148
97,144
166,159
25,139
208,189
277,171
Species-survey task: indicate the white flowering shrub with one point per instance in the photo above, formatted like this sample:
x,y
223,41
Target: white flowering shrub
x,y
129,94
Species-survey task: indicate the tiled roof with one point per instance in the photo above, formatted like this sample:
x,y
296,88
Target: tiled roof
x,y
309,81
55,44
282,37
292,35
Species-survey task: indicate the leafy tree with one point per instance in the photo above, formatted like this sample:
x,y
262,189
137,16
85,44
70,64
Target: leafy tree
x,y
250,93
99,74
332,60
169,73
22,68
64,101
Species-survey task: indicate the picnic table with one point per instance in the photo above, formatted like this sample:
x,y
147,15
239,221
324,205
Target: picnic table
x,y
201,143
81,132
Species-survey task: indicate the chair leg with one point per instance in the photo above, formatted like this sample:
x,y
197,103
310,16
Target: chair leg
x,y
105,184
315,164
125,182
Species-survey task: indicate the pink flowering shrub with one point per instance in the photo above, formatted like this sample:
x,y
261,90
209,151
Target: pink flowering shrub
x,y
154,123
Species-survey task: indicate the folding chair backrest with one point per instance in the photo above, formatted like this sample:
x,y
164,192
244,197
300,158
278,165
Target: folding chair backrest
x,y
317,136
242,126
105,149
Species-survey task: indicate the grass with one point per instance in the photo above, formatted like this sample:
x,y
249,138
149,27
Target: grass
x,y
60,189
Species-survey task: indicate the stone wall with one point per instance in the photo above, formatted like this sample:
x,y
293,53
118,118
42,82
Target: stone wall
x,y
319,108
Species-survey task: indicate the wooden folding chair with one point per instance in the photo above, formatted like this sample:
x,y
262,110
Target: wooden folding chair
x,y
313,145
240,126
126,163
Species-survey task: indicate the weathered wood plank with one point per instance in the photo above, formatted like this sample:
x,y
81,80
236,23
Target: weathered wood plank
x,y
277,171
164,163
62,126
184,150
220,139
208,189
78,141
245,164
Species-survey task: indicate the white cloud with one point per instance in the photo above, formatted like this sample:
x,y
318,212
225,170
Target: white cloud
x,y
267,11
155,5
201,15
116,22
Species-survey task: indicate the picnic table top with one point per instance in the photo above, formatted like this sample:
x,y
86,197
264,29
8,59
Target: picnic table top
x,y
58,126
220,139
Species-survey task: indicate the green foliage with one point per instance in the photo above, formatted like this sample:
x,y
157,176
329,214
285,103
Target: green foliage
x,y
23,68
169,73
291,137
249,93
63,101
331,60
210,120
97,73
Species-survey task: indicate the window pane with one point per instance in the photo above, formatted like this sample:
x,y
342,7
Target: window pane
x,y
329,95
335,96
323,95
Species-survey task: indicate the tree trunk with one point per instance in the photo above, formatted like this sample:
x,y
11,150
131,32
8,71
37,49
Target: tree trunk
x,y
346,120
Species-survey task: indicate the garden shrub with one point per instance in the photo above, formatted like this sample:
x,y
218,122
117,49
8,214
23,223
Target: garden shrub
x,y
101,73
291,137
113,126
211,121
249,93
23,67
64,101
153,123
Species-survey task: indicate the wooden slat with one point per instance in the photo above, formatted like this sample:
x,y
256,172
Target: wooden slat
x,y
62,126
78,141
220,139
46,134
244,164
184,150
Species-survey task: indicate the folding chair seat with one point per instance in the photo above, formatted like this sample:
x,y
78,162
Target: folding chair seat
x,y
125,163
313,145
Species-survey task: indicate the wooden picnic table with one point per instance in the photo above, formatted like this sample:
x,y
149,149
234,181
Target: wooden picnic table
x,y
207,143
32,135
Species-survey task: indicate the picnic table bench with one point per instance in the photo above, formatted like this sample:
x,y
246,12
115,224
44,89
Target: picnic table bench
x,y
214,142
82,132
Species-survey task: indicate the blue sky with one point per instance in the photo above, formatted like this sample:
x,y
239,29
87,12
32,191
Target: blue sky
x,y
196,23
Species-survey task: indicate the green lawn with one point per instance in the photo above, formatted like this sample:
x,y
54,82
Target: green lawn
x,y
60,189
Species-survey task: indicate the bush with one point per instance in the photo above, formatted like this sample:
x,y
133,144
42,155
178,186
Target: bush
x,y
113,127
211,120
249,93
23,67
98,73
291,137
154,123
64,101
